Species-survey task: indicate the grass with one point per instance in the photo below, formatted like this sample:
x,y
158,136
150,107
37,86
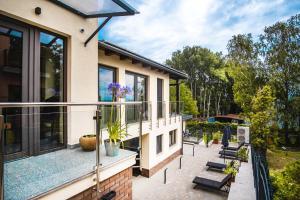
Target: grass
x,y
277,159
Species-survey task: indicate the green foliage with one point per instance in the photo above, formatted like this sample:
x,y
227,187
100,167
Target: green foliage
x,y
217,135
243,154
261,117
205,138
210,127
189,105
231,168
286,182
116,131
207,79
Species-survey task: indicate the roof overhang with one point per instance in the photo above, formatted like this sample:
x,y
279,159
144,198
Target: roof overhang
x,y
112,49
97,8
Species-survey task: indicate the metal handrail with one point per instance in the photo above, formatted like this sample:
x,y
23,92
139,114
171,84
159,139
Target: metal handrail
x,y
52,104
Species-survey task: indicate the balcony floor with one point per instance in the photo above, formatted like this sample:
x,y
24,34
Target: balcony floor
x,y
29,177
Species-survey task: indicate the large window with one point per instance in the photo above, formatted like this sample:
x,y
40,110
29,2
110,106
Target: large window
x,y
32,69
159,141
172,137
159,98
106,75
138,86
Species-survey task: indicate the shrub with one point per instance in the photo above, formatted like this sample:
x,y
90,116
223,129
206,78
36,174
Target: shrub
x,y
286,182
243,154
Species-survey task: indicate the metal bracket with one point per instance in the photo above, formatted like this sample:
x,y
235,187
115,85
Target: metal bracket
x,y
97,30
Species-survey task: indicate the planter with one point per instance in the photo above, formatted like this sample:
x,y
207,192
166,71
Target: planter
x,y
215,141
111,148
233,179
88,142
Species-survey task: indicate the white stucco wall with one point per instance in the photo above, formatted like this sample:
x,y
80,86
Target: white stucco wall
x,y
150,158
82,62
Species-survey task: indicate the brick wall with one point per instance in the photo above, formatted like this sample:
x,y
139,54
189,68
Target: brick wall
x,y
153,170
121,183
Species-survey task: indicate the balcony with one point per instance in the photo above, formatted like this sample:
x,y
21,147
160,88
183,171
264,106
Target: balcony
x,y
41,152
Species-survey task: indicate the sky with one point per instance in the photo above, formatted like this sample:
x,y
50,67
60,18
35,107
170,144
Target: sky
x,y
164,26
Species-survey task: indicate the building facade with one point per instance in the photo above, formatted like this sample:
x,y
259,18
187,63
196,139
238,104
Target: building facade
x,y
44,58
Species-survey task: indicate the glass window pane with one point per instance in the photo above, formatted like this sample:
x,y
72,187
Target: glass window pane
x,y
51,90
11,55
129,80
106,76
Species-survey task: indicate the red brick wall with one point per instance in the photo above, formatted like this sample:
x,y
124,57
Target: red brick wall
x,y
121,183
153,170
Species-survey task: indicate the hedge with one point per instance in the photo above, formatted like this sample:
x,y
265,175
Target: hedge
x,y
209,127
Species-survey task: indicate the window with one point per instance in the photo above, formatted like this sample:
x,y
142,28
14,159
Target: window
x,y
159,98
138,85
159,144
106,75
172,137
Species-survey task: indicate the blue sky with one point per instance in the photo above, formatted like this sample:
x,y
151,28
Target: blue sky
x,y
164,26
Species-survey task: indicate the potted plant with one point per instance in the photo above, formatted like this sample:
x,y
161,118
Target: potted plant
x,y
116,130
216,137
88,142
205,139
231,169
243,154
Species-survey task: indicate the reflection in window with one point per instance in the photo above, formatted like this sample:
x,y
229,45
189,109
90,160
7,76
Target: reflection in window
x,y
137,84
159,144
172,138
51,90
11,67
106,76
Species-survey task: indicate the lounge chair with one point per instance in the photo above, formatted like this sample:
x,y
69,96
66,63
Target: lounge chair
x,y
218,166
234,148
224,185
228,154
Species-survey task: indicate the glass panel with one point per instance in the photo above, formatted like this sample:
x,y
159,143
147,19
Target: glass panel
x,y
91,7
51,90
11,53
141,88
159,98
106,76
129,80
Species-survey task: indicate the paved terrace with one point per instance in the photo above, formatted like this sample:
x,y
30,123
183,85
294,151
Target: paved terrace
x,y
179,181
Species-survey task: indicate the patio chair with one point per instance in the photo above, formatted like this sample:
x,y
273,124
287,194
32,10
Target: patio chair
x,y
218,166
234,148
223,185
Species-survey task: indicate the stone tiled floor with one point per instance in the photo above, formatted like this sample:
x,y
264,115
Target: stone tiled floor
x,y
179,181
29,177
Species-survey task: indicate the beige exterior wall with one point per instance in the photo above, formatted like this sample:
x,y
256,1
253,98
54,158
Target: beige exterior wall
x,y
82,61
154,127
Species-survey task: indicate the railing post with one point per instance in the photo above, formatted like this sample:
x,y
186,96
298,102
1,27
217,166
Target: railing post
x,y
98,130
1,157
180,162
141,135
165,176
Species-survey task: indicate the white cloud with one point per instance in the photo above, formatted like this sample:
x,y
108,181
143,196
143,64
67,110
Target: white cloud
x,y
164,26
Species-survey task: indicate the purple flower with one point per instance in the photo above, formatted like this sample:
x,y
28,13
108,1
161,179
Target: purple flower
x,y
117,91
124,91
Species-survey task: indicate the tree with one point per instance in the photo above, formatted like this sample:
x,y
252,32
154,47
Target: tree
x,y
280,45
207,80
246,69
189,105
261,117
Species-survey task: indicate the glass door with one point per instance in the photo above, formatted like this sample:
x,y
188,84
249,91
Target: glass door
x,y
13,87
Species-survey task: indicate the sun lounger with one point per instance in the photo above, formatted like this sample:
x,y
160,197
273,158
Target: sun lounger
x,y
217,166
223,185
234,148
228,154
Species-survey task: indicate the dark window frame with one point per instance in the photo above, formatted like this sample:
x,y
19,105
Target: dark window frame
x,y
114,76
159,144
160,100
32,79
172,137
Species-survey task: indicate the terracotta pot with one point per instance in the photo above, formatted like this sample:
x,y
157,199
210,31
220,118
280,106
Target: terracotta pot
x,y
215,141
88,142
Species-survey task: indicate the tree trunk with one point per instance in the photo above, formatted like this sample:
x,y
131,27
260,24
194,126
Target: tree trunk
x,y
204,102
208,104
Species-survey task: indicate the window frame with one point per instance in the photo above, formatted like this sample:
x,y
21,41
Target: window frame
x,y
159,149
108,68
172,137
